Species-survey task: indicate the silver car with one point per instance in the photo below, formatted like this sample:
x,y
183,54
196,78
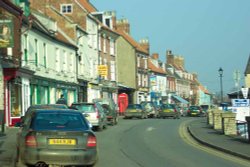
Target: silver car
x,y
53,137
94,113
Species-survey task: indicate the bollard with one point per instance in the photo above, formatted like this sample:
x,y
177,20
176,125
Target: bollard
x,y
217,119
248,127
229,123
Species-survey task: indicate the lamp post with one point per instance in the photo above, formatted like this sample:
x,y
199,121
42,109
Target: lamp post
x,y
221,88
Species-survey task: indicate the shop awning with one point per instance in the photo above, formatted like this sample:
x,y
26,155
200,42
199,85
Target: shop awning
x,y
180,99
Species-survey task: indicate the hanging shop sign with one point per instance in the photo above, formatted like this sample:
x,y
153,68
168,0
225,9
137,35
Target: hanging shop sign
x,y
153,80
103,70
6,33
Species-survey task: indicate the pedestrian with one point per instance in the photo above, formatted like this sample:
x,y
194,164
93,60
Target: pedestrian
x,y
61,100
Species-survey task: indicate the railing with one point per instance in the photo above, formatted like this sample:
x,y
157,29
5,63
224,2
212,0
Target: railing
x,y
242,129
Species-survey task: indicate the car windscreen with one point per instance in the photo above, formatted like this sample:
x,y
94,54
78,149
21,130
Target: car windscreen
x,y
86,108
168,106
59,121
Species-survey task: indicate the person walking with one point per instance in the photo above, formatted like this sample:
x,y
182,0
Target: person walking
x,y
61,100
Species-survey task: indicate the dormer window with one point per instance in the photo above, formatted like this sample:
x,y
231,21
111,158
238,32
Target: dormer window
x,y
66,8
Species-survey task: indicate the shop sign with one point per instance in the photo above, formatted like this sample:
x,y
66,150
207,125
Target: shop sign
x,y
153,80
6,33
103,70
143,89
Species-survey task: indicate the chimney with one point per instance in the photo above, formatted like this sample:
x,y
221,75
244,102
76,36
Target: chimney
x,y
170,57
144,43
155,56
179,61
111,16
123,25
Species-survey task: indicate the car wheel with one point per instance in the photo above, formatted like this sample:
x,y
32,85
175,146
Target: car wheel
x,y
100,127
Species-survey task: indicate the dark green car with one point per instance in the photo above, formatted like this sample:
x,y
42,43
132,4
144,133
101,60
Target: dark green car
x,y
56,137
135,111
194,111
169,110
110,109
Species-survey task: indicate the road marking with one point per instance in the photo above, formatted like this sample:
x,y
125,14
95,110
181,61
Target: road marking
x,y
189,140
150,129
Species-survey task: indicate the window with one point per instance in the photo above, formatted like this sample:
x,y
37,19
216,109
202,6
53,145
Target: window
x,y
64,60
112,47
99,42
57,63
45,55
146,63
26,48
71,63
66,8
139,79
36,53
138,61
112,70
104,45
105,63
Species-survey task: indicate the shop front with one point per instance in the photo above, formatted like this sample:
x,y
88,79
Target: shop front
x,y
142,95
83,91
109,90
16,94
46,91
94,91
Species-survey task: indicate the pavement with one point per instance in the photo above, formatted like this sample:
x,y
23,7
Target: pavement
x,y
204,133
199,129
7,147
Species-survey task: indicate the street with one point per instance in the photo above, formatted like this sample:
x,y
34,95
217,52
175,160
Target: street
x,y
145,143
152,142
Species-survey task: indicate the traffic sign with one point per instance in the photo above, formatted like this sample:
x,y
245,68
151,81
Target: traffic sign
x,y
240,102
244,92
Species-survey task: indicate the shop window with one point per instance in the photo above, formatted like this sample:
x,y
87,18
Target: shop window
x,y
15,100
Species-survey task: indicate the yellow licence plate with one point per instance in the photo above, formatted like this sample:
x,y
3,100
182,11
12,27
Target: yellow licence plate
x,y
166,110
132,110
62,141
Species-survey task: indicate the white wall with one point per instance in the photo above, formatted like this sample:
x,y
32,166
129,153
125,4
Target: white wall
x,y
66,70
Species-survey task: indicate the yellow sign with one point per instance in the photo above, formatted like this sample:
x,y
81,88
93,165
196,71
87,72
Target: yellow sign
x,y
103,70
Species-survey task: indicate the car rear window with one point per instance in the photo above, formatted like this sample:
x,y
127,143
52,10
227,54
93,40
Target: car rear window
x,y
58,121
194,107
168,106
85,108
136,106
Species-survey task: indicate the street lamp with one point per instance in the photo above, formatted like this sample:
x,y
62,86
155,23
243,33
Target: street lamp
x,y
221,88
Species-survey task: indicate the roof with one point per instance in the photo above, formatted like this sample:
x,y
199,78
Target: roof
x,y
203,89
87,5
132,42
247,70
153,68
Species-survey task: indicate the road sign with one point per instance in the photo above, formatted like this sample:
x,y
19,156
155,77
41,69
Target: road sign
x,y
244,92
240,102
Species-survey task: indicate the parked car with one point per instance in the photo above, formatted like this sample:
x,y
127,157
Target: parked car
x,y
33,108
135,111
150,108
110,109
194,111
169,110
94,113
53,137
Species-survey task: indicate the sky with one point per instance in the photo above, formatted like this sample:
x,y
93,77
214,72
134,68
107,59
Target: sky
x,y
209,34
